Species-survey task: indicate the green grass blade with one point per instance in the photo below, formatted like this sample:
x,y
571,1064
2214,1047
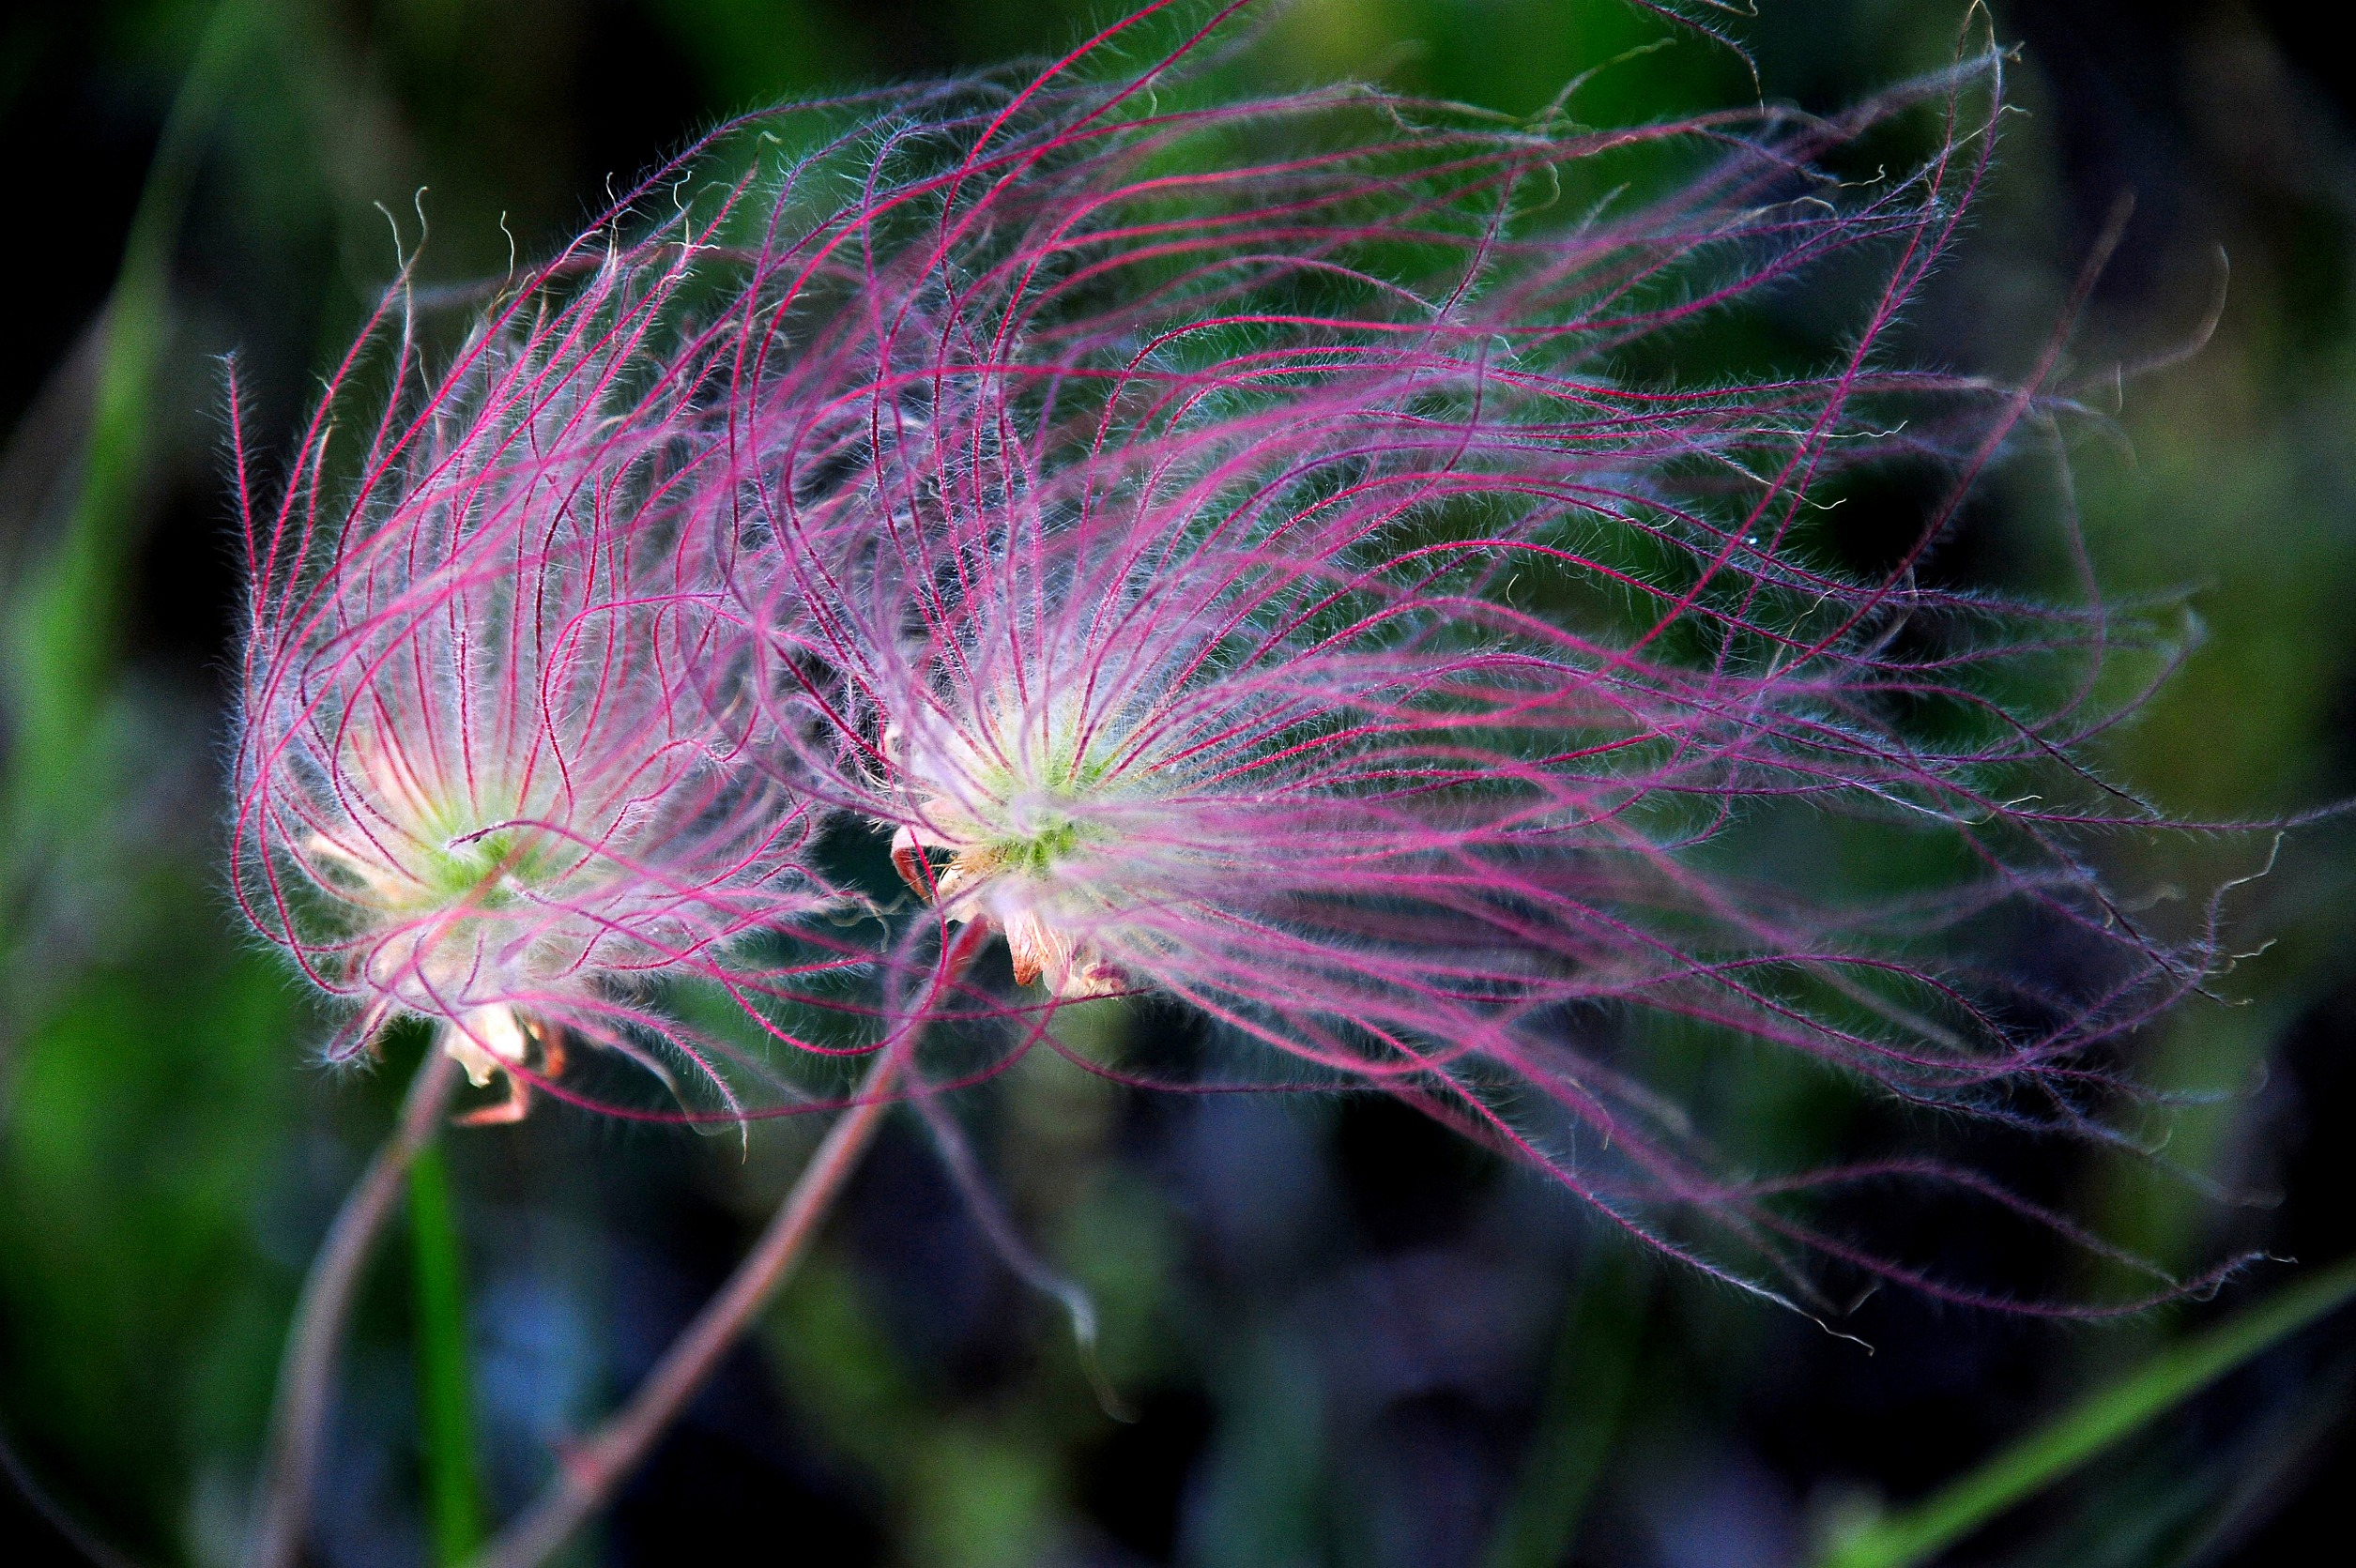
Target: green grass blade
x,y
1915,1534
64,632
453,1498
1595,1368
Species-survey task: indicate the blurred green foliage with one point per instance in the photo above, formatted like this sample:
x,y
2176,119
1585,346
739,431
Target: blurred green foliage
x,y
168,1155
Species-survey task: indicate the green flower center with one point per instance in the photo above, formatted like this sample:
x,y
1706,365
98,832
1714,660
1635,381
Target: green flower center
x,y
487,871
1034,854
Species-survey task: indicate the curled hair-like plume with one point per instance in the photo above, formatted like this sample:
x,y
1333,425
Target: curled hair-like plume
x,y
485,773
1264,554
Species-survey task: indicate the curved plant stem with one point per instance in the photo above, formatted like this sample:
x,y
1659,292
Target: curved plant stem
x,y
52,1513
589,1470
315,1345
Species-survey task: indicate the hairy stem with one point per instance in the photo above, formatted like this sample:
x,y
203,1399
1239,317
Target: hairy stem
x,y
314,1343
589,1470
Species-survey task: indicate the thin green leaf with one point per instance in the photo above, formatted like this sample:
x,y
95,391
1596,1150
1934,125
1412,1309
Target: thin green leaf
x,y
1915,1534
63,634
1594,1370
453,1497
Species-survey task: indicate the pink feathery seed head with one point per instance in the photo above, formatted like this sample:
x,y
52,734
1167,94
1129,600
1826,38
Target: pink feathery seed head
x,y
487,773
1230,550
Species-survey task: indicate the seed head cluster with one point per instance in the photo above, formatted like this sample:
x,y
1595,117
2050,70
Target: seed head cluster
x,y
486,776
1298,557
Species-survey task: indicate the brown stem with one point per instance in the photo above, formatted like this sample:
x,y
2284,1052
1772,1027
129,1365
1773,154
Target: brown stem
x,y
314,1343
589,1470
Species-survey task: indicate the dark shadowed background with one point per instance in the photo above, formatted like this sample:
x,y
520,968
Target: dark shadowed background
x,y
1343,1337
